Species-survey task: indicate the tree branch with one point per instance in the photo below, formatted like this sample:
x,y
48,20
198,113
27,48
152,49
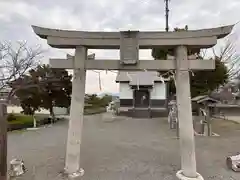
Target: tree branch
x,y
16,60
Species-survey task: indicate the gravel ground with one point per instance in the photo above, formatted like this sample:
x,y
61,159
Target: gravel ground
x,y
123,149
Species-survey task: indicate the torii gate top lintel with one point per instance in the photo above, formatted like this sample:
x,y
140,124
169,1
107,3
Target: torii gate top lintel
x,y
203,38
129,43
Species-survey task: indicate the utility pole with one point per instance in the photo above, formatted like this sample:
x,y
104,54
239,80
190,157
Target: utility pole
x,y
167,13
3,141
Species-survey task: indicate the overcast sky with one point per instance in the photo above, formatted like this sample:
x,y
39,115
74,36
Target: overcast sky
x,y
17,16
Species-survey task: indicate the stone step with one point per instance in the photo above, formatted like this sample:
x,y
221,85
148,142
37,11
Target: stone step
x,y
140,113
144,113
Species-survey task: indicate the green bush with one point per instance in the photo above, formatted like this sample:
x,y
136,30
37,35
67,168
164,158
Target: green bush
x,y
11,117
26,121
22,119
94,111
20,122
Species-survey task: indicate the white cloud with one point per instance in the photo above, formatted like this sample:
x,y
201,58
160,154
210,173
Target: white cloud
x,y
9,9
17,16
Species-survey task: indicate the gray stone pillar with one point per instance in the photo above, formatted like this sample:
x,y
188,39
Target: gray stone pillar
x,y
209,123
72,163
186,132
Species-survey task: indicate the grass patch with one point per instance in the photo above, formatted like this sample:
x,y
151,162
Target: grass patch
x,y
94,110
19,121
22,119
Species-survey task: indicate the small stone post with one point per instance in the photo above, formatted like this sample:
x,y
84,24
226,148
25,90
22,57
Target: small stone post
x,y
186,132
72,163
209,123
177,129
3,141
201,118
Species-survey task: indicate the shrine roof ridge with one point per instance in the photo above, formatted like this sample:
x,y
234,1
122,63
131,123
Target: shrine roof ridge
x,y
219,32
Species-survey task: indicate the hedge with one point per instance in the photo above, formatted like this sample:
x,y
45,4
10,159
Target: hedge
x,y
20,121
91,111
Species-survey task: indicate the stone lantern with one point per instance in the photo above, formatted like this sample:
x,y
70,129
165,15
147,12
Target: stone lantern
x,y
17,168
233,162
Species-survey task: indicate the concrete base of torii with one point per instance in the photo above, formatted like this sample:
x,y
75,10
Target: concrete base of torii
x,y
74,175
181,176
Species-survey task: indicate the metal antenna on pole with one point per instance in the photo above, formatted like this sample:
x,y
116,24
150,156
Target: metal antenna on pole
x,y
167,13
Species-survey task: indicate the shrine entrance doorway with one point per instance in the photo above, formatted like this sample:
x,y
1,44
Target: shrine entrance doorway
x,y
141,98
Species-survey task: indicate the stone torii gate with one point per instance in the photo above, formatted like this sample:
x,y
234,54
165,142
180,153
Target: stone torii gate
x,y
129,43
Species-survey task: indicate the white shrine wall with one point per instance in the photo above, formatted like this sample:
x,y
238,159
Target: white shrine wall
x,y
125,91
158,91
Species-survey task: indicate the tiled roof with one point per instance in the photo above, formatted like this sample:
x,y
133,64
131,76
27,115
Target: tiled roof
x,y
223,96
204,98
139,77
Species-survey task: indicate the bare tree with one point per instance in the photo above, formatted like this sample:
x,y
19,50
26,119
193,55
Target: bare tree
x,y
229,56
16,59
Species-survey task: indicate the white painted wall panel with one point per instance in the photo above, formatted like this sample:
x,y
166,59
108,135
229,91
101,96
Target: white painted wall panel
x,y
158,91
18,110
125,91
60,111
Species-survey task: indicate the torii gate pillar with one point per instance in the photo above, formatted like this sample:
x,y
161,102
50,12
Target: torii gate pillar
x,y
72,162
186,132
